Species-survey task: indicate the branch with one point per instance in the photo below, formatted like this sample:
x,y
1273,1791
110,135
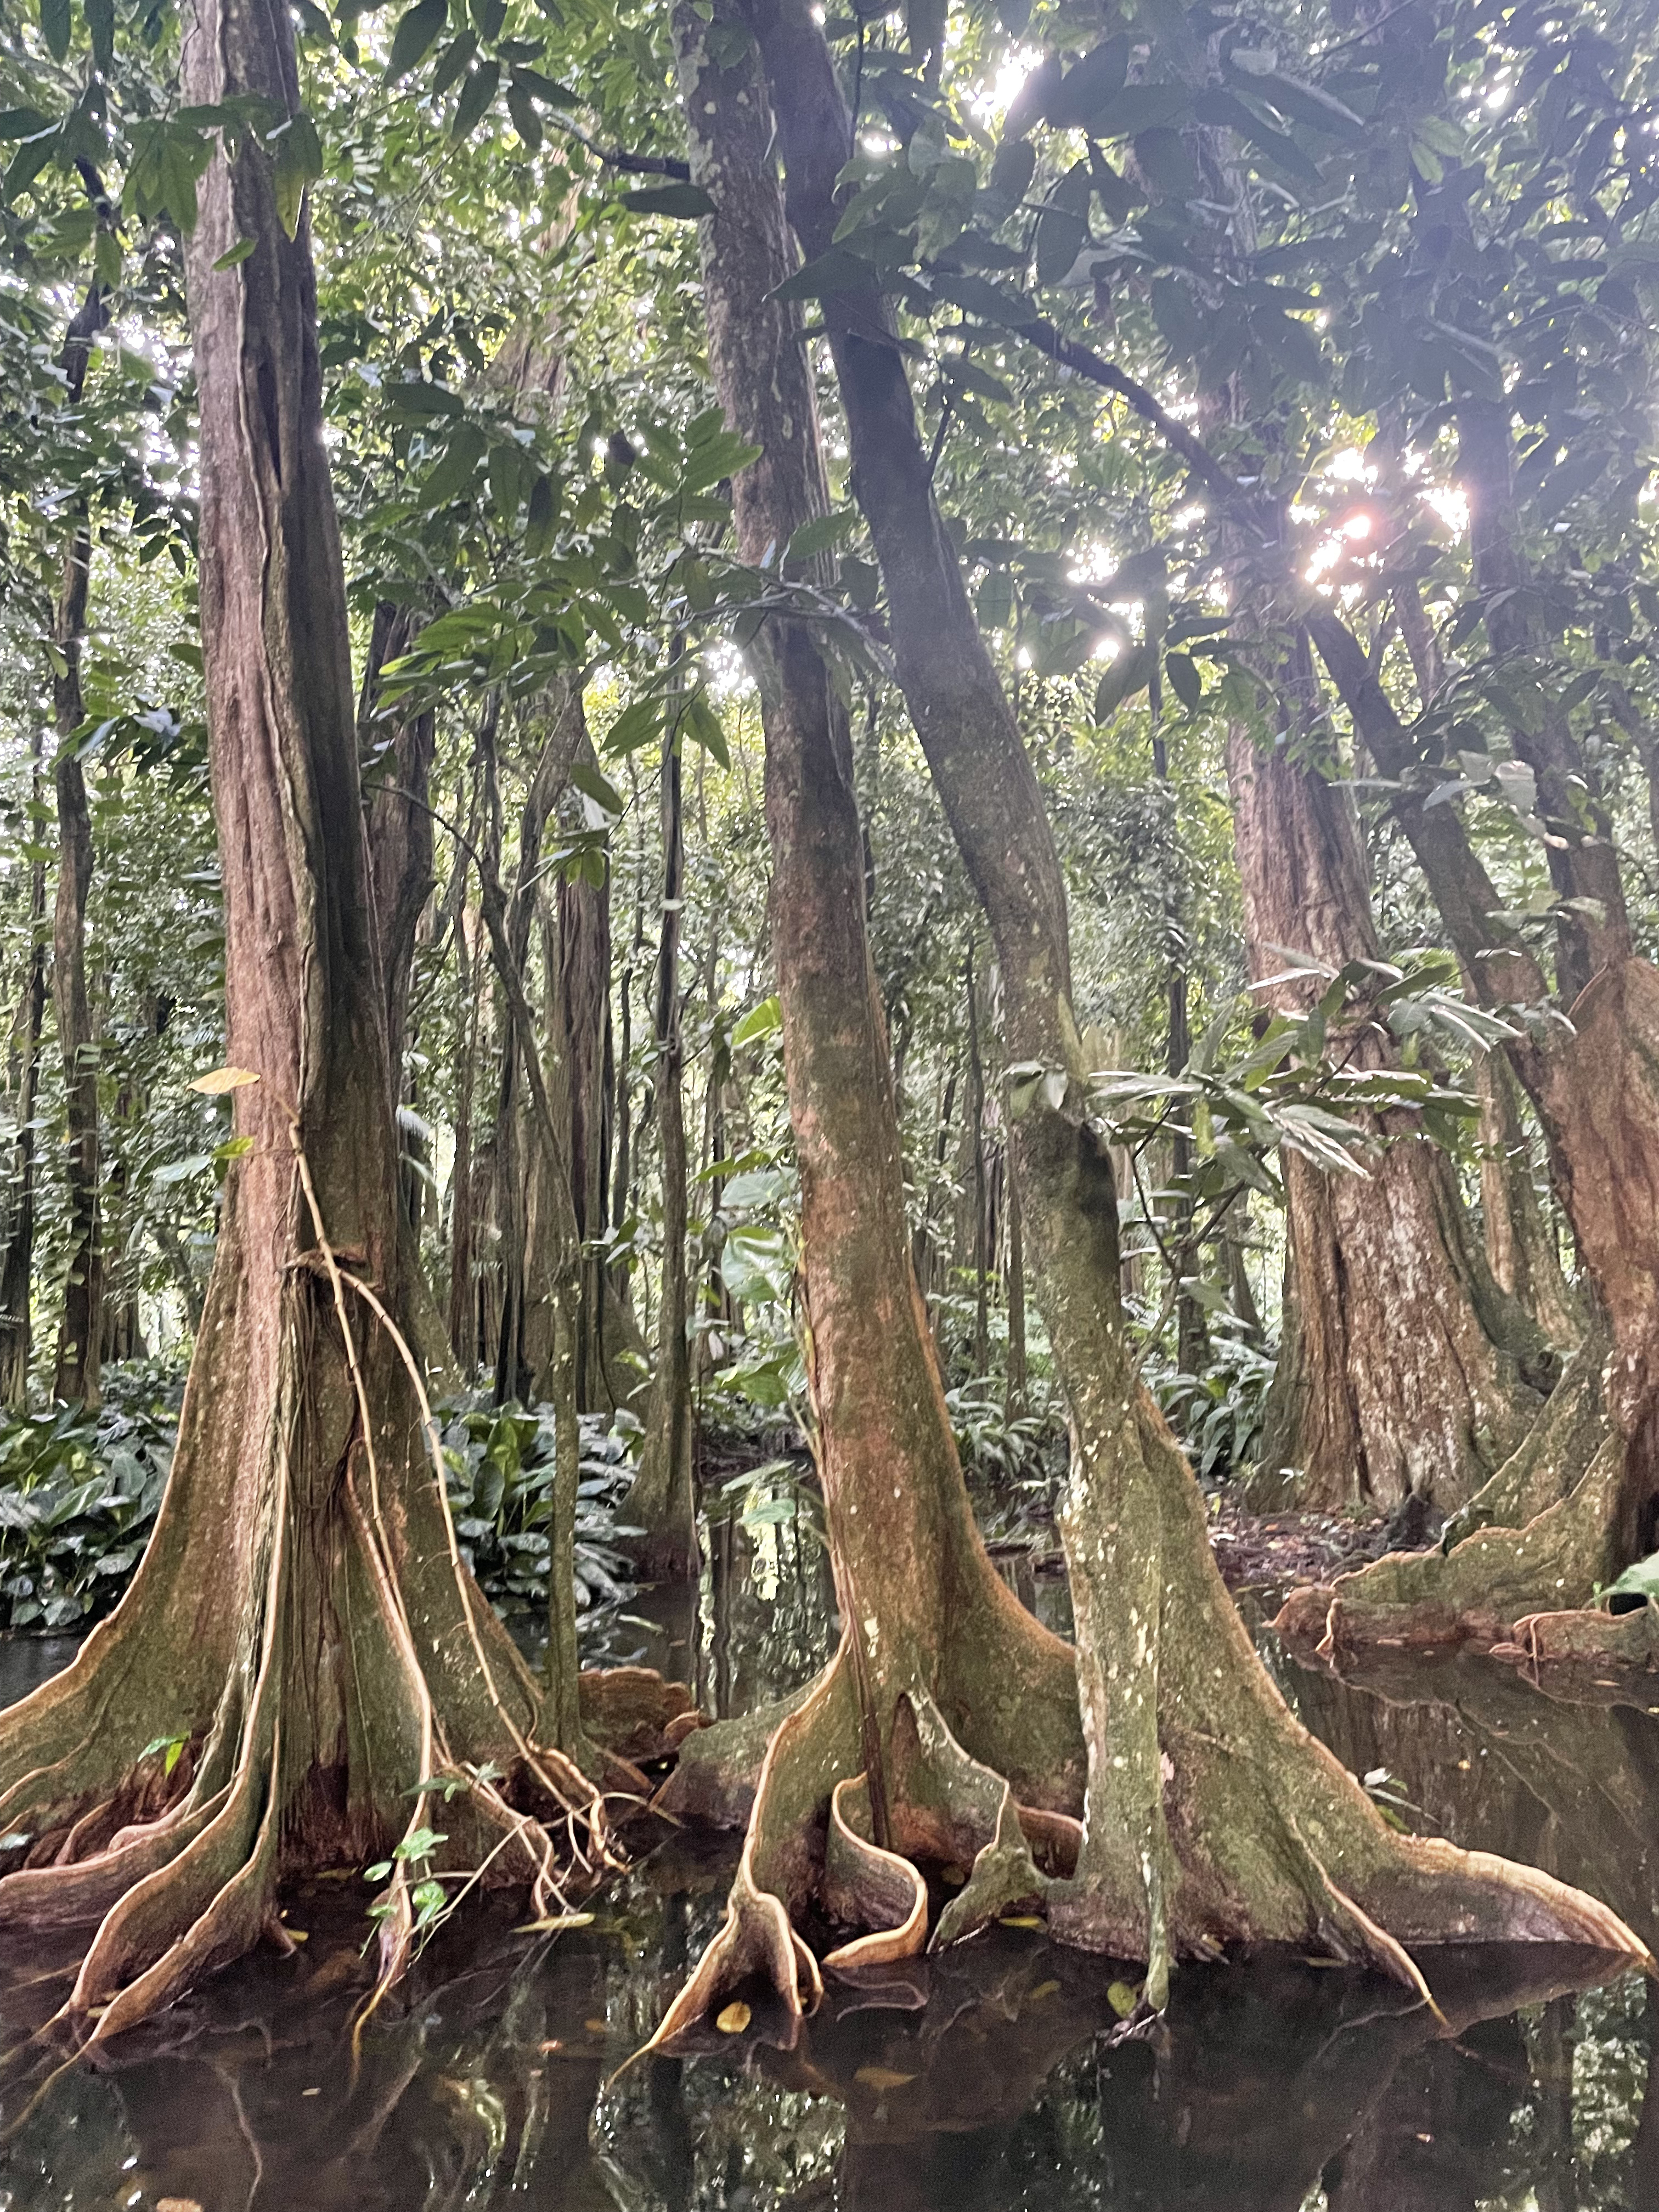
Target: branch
x,y
632,165
1047,338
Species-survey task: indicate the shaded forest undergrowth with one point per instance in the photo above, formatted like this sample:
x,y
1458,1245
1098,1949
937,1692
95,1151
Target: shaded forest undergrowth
x,y
79,1493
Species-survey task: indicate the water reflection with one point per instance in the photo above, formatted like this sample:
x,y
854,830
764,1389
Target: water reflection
x,y
992,2078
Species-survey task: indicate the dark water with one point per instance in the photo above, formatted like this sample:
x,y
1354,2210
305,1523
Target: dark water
x,y
984,2080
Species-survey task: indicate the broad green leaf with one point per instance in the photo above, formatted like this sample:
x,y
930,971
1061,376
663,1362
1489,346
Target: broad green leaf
x,y
55,27
760,1021
418,31
235,255
603,793
477,95
683,202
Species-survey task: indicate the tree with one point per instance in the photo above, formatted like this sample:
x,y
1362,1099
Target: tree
x,y
1401,1369
946,1711
302,1634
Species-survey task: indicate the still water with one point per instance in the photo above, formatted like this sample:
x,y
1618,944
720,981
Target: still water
x,y
987,2080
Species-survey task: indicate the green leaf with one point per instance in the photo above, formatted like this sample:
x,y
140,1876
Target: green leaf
x,y
703,724
635,726
22,123
100,24
976,295
55,27
683,202
299,165
1185,680
1129,673
526,120
233,255
1086,88
838,271
1063,226
823,532
539,517
454,471
477,94
418,31
760,1021
603,793
452,63
106,259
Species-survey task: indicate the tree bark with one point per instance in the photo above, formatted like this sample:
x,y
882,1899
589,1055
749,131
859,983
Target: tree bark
x,y
1594,1081
1398,1374
661,1499
302,1619
22,1081
79,1337
1210,1816
1520,1247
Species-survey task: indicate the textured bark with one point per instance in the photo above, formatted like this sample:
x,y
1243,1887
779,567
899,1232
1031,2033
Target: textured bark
x,y
945,1692
661,1499
22,1082
80,1339
1397,1374
302,1618
582,1006
399,826
1594,1081
1520,1247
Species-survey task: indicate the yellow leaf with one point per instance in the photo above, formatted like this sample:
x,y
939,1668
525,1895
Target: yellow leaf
x,y
733,2021
219,1081
553,1921
1123,1999
1019,1920
1042,1990
880,2077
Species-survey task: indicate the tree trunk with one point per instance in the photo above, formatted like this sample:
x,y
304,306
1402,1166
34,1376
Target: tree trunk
x,y
1520,1248
661,1499
1397,1374
934,1642
1594,1083
22,1081
301,1624
80,1339
1211,1814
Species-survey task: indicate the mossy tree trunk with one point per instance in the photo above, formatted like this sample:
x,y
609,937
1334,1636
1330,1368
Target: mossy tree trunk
x,y
662,1499
302,1626
1398,1373
950,1728
80,1330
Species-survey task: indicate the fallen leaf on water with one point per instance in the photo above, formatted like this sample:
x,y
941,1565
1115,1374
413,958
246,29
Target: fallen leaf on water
x,y
177,2204
734,2019
1019,1920
1123,1999
553,1921
597,2026
882,2078
1042,1990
